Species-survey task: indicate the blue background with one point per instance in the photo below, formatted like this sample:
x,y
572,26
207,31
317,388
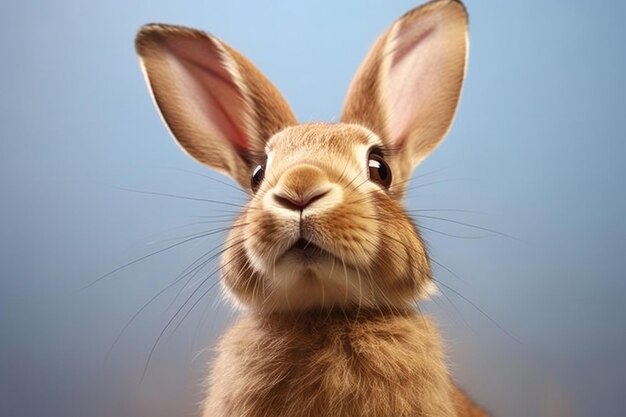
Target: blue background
x,y
536,152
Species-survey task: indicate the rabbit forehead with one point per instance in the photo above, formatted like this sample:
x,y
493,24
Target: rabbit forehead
x,y
319,141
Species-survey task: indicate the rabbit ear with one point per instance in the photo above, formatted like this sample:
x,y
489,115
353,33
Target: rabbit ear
x,y
218,106
408,87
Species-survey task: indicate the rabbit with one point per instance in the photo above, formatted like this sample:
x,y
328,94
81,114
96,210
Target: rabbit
x,y
324,261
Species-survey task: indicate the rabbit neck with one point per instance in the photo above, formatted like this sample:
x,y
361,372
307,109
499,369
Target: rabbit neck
x,y
316,363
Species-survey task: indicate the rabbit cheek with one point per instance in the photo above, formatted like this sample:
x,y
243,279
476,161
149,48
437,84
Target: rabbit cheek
x,y
267,237
401,265
238,277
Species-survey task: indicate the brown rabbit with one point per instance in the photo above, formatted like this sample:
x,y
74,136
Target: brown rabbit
x,y
324,260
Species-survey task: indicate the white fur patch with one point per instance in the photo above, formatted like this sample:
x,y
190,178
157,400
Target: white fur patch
x,y
429,291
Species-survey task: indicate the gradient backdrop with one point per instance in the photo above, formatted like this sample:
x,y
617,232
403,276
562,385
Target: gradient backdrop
x,y
537,152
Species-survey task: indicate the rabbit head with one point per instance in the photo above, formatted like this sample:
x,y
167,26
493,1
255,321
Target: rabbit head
x,y
325,226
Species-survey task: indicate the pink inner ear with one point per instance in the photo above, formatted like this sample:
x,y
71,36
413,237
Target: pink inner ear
x,y
413,77
209,90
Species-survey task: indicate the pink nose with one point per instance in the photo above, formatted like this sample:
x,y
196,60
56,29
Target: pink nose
x,y
299,202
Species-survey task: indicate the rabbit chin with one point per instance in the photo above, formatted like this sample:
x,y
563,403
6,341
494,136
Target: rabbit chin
x,y
296,284
302,281
319,281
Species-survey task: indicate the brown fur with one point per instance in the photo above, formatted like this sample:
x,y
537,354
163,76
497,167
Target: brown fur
x,y
375,242
327,364
332,330
464,405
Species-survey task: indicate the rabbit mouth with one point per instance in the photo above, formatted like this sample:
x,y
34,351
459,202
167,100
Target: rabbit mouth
x,y
306,251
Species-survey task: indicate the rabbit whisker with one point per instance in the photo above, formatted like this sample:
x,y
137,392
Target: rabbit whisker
x,y
177,313
428,184
485,229
192,273
144,257
243,190
183,197
154,298
481,311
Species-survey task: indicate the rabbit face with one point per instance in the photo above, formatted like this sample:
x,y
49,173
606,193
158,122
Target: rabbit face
x,y
319,232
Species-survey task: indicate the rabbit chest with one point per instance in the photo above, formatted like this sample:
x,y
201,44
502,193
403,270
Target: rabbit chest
x,y
367,364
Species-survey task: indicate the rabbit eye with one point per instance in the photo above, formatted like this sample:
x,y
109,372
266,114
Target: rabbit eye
x,y
379,171
257,177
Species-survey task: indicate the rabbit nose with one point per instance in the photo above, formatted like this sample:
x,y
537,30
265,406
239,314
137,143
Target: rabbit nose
x,y
300,186
299,202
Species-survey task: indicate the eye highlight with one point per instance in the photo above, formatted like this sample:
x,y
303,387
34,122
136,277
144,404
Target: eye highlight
x,y
257,177
379,170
